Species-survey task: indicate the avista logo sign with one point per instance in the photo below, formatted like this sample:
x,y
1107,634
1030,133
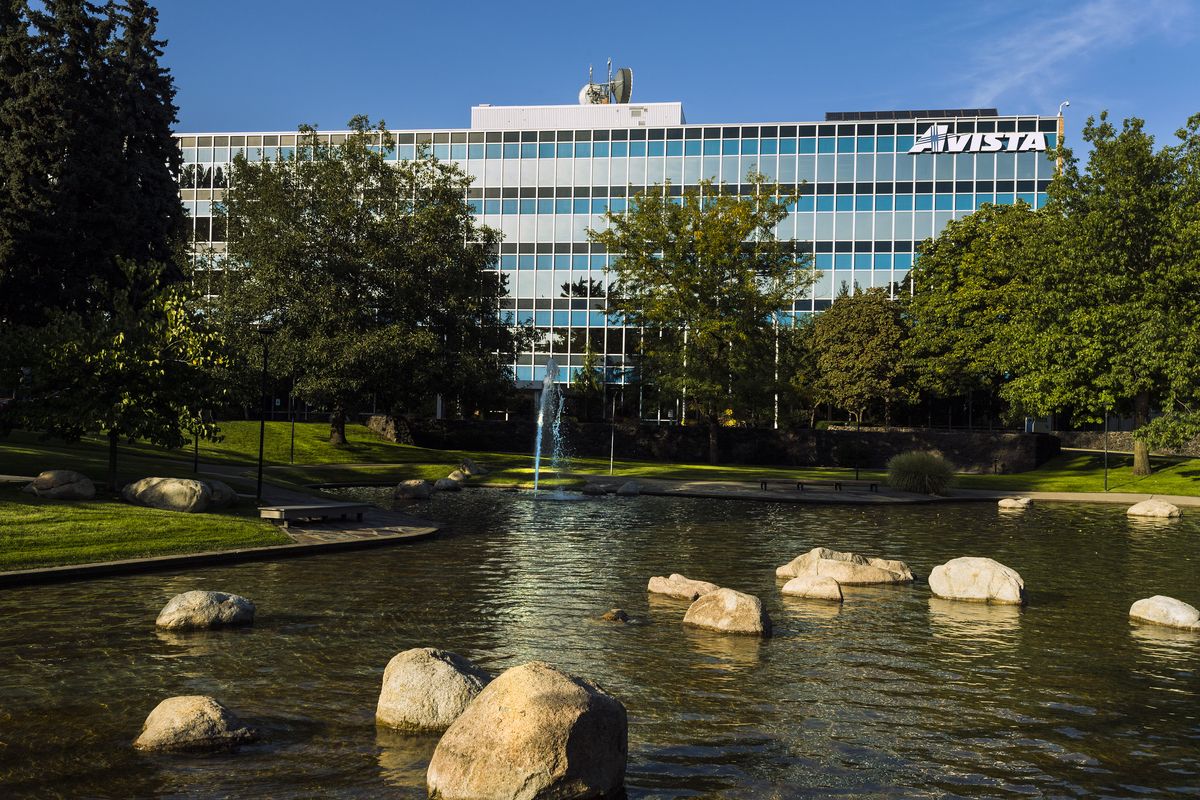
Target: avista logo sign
x,y
938,139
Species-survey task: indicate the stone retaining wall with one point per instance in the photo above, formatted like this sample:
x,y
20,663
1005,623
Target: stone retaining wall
x,y
1119,441
978,452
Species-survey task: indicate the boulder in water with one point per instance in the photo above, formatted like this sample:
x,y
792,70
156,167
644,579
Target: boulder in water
x,y
1014,503
415,489
678,586
195,723
457,475
425,689
728,611
594,490
472,468
846,568
629,489
533,732
615,615
1159,509
979,580
199,610
62,484
814,587
447,485
1163,610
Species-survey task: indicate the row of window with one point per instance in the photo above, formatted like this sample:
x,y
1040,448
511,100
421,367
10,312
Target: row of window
x,y
565,263
651,149
908,202
1008,125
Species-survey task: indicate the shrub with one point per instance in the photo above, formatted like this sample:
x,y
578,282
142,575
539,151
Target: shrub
x,y
920,472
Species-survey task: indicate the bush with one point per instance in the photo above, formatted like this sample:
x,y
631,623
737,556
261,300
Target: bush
x,y
920,472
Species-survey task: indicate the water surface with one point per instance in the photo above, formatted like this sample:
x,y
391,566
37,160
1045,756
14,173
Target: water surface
x,y
893,694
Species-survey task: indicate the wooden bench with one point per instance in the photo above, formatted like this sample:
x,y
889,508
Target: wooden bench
x,y
282,515
837,485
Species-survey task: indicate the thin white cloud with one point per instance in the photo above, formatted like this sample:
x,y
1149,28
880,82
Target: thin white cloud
x,y
1046,45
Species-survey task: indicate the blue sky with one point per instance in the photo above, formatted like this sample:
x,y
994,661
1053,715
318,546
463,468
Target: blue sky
x,y
270,65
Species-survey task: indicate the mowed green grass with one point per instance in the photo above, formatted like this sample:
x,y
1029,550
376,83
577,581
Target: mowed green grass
x,y
36,532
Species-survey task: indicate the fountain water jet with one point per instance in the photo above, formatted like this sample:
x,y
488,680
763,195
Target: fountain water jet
x,y
549,417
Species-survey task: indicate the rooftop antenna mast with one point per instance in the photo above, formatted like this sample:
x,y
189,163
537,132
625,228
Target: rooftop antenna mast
x,y
616,89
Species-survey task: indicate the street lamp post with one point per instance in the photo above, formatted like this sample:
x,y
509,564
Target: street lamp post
x,y
265,330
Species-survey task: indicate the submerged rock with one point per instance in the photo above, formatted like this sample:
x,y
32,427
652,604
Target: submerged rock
x,y
1163,610
170,494
814,587
615,615
198,610
728,611
846,568
192,723
980,580
425,689
678,586
1160,509
533,732
62,484
1015,503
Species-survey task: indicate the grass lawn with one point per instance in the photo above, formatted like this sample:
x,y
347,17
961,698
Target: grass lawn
x,y
369,458
36,532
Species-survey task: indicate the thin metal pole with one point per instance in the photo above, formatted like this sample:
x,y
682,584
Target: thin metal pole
x,y
196,450
1106,449
262,423
292,414
612,442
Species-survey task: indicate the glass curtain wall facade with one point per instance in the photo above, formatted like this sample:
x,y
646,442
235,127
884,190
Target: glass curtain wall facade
x,y
865,201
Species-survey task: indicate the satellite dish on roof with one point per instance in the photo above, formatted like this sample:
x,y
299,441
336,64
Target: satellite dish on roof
x,y
622,85
617,89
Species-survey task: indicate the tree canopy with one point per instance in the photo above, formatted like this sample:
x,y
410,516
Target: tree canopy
x,y
703,275
372,274
859,353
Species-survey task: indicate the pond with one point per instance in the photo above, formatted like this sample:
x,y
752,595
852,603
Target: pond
x,y
893,694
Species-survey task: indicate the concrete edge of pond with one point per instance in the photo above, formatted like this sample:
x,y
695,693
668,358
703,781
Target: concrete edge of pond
x,y
103,569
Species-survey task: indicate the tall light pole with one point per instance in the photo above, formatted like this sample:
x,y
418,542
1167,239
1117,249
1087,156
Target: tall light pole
x,y
1061,129
265,329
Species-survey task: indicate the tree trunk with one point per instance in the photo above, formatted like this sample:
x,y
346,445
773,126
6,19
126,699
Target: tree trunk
x,y
714,428
337,425
1141,453
112,461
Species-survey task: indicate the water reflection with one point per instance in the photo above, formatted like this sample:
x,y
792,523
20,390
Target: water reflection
x,y
891,694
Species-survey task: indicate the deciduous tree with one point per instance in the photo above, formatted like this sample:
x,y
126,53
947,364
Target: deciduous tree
x,y
373,273
703,274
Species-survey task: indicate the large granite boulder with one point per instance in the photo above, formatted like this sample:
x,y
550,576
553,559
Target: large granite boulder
x,y
1014,503
678,586
425,689
457,475
192,723
814,587
223,495
415,489
728,611
979,580
1159,509
199,610
534,733
62,484
1162,610
447,485
846,568
594,490
170,494
629,489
